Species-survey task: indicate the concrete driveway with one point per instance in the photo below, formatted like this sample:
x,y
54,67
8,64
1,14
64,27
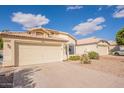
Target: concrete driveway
x,y
64,75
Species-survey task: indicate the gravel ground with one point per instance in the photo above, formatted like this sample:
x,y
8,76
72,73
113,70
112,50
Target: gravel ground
x,y
109,64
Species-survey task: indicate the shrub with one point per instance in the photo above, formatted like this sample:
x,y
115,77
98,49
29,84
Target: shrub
x,y
74,58
85,59
93,55
1,43
1,56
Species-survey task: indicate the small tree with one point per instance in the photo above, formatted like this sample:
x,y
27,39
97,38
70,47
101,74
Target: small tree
x,y
1,43
120,37
1,40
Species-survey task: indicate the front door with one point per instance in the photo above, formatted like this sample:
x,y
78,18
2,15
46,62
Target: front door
x,y
71,49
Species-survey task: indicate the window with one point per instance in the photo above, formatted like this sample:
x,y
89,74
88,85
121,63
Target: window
x,y
39,33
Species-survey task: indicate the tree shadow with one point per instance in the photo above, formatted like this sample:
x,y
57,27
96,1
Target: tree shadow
x,y
6,79
24,78
16,78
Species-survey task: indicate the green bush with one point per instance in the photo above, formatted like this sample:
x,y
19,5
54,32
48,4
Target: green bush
x,y
93,55
120,37
1,43
85,59
74,58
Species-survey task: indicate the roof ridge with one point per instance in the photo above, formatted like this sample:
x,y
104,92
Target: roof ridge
x,y
88,38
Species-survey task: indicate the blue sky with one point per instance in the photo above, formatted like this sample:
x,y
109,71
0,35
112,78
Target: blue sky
x,y
80,21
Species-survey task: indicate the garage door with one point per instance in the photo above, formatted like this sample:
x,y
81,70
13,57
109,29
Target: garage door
x,y
103,50
36,54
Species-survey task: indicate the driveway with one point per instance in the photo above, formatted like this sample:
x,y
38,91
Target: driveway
x,y
64,75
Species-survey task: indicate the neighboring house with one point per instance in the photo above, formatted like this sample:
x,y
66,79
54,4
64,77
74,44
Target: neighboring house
x,y
92,44
113,46
38,45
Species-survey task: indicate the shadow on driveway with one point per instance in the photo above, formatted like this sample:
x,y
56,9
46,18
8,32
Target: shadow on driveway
x,y
24,78
6,79
17,78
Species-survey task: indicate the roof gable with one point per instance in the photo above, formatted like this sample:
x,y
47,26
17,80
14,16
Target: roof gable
x,y
91,40
50,31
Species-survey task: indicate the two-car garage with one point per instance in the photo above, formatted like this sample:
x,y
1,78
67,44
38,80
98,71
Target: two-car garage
x,y
20,51
31,53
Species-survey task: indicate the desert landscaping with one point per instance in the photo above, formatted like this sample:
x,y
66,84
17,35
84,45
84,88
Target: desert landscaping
x,y
109,69
108,64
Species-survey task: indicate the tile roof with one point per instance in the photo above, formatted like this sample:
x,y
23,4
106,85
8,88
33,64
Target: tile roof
x,y
52,30
88,41
26,35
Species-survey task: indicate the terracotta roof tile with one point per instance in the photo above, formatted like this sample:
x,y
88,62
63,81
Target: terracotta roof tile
x,y
88,41
26,34
17,34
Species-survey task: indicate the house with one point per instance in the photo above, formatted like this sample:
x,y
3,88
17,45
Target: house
x,y
115,47
92,44
42,45
35,46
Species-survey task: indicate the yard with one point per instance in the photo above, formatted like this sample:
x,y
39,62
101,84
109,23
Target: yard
x,y
106,72
108,64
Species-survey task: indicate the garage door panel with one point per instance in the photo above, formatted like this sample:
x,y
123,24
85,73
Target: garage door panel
x,y
29,54
52,53
103,50
36,54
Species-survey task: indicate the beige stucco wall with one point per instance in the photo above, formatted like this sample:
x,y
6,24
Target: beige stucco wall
x,y
10,48
62,36
81,49
101,48
66,37
70,40
8,52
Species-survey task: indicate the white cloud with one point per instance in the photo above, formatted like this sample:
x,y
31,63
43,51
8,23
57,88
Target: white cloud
x,y
29,20
74,7
90,19
119,13
120,7
100,8
90,26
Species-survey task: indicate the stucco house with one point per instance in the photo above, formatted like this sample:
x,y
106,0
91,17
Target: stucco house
x,y
35,46
92,44
41,45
